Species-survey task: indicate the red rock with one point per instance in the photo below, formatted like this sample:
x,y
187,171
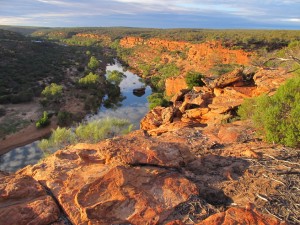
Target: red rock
x,y
152,120
24,201
114,181
228,79
241,216
268,81
195,113
175,85
231,133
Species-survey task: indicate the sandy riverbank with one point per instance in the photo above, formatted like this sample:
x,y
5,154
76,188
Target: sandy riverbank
x,y
24,137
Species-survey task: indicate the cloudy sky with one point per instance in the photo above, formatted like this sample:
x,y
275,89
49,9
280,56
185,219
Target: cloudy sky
x,y
153,13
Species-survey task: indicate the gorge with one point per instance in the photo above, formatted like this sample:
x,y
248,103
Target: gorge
x,y
193,160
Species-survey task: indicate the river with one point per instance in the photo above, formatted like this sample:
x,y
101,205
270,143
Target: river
x,y
130,107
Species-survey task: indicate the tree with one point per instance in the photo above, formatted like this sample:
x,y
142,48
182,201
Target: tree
x,y
53,92
93,63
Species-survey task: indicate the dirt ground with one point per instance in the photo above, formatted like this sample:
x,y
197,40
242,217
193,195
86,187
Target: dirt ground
x,y
19,121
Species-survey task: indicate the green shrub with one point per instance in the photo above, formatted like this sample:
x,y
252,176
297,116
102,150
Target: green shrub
x,y
90,132
53,91
43,121
193,79
276,117
93,63
157,99
115,77
89,80
64,118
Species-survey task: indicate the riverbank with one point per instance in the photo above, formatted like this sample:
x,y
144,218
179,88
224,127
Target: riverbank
x,y
25,136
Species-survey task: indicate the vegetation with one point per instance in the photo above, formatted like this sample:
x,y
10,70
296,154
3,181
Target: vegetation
x,y
157,99
221,69
93,63
89,80
115,77
53,92
90,132
194,79
43,121
276,117
64,118
168,70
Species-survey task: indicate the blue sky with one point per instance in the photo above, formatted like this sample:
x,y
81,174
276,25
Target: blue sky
x,y
284,14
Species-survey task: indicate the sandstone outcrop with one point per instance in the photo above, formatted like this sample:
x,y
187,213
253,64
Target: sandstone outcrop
x,y
179,176
24,201
187,56
216,103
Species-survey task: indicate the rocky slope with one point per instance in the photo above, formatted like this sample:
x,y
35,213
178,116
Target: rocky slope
x,y
183,167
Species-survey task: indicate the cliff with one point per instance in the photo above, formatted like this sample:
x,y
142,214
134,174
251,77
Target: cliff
x,y
187,56
184,167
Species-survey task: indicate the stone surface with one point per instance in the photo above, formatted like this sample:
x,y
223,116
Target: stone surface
x,y
241,216
153,119
228,79
129,179
24,201
175,85
268,81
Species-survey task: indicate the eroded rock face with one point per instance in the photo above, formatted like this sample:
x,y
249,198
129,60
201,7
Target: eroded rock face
x,y
24,201
123,180
175,85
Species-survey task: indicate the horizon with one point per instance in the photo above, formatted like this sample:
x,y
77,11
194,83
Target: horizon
x,y
156,14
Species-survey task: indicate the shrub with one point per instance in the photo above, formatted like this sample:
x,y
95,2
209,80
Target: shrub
x,y
276,117
89,80
43,121
115,77
64,118
53,91
93,63
90,132
157,99
194,79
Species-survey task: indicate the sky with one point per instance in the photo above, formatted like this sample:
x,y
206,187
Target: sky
x,y
261,14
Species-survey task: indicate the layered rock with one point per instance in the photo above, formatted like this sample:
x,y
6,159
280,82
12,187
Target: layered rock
x,y
124,180
24,201
217,102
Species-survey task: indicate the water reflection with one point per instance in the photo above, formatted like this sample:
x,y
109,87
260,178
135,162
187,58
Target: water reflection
x,y
20,157
120,102
126,105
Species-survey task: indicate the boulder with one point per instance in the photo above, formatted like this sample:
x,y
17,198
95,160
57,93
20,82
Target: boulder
x,y
228,79
153,119
24,201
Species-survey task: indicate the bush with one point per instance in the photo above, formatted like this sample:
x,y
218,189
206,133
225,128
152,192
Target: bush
x,y
90,132
64,118
89,80
157,99
53,91
115,77
44,121
93,63
193,79
276,117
